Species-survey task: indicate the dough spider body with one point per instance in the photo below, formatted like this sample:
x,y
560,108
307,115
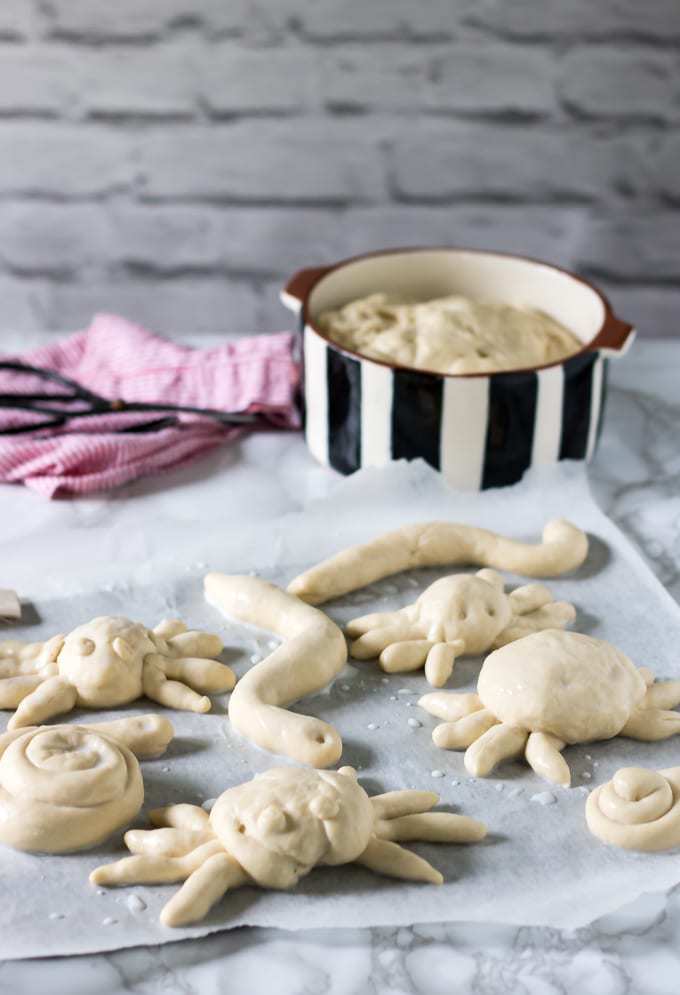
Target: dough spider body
x,y
274,830
549,690
441,544
455,615
638,809
111,661
64,788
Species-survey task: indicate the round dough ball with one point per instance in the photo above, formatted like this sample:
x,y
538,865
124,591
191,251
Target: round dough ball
x,y
64,788
288,820
573,686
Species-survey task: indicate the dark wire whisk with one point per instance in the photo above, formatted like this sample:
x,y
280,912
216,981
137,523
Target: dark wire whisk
x,y
55,406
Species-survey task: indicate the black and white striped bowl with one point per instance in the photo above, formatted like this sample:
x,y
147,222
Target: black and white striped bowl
x,y
480,430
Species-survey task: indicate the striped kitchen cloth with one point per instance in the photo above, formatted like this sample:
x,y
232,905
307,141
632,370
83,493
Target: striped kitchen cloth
x,y
118,359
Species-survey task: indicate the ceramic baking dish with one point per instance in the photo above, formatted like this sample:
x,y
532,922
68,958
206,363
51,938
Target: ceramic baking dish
x,y
480,430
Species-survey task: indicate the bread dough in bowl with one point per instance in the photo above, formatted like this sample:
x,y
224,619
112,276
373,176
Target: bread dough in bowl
x,y
461,614
67,787
449,334
274,830
549,690
111,661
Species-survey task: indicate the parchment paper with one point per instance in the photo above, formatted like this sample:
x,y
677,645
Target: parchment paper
x,y
539,865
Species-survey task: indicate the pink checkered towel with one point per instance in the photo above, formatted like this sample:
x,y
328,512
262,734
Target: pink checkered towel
x,y
118,359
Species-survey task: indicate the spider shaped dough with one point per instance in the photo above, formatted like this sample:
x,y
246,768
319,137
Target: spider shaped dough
x,y
549,690
459,614
274,830
111,661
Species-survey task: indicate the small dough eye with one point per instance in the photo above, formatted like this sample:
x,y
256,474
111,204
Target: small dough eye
x,y
272,819
85,646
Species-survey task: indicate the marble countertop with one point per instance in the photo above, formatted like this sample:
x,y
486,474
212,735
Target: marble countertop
x,y
636,479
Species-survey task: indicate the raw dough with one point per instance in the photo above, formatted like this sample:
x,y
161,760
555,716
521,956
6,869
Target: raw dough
x,y
441,544
545,691
110,661
455,615
314,652
274,830
10,606
64,787
449,334
638,809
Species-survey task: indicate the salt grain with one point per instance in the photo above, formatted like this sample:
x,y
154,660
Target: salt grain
x,y
414,723
371,725
109,921
135,903
544,798
56,915
499,787
437,773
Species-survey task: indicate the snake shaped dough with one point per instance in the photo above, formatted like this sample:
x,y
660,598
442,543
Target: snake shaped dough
x,y
67,787
313,653
441,544
273,830
638,809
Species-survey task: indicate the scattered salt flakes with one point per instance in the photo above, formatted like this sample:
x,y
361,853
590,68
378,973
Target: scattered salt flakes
x,y
405,691
390,589
56,915
109,921
586,775
100,891
385,680
409,704
345,687
414,723
596,763
393,697
412,582
208,804
544,798
255,658
135,903
588,756
514,792
371,725
166,770
272,644
499,787
438,773
454,784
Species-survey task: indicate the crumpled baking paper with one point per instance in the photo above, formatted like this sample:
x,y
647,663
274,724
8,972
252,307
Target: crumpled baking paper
x,y
539,865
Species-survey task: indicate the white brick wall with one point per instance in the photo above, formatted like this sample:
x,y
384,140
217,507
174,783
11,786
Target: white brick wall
x,y
174,160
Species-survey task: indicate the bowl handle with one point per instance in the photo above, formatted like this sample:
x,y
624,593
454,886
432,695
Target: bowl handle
x,y
296,290
615,337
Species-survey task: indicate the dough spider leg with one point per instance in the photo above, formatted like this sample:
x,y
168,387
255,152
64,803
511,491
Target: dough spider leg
x,y
545,691
107,662
455,615
274,830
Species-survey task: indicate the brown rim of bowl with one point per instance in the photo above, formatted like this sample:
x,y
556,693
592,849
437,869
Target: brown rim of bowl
x,y
613,333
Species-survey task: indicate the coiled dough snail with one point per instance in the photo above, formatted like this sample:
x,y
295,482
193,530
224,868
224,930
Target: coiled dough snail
x,y
638,809
68,787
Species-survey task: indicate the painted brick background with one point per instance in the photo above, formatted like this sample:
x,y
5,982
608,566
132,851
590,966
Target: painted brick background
x,y
174,160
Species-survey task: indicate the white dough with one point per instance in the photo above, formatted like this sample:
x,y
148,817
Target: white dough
x,y
449,334
547,690
275,829
63,787
312,654
637,810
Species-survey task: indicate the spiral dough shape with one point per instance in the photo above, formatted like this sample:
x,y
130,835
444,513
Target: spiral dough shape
x,y
64,788
638,809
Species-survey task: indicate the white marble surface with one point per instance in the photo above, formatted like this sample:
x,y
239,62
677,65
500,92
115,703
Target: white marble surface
x,y
636,478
